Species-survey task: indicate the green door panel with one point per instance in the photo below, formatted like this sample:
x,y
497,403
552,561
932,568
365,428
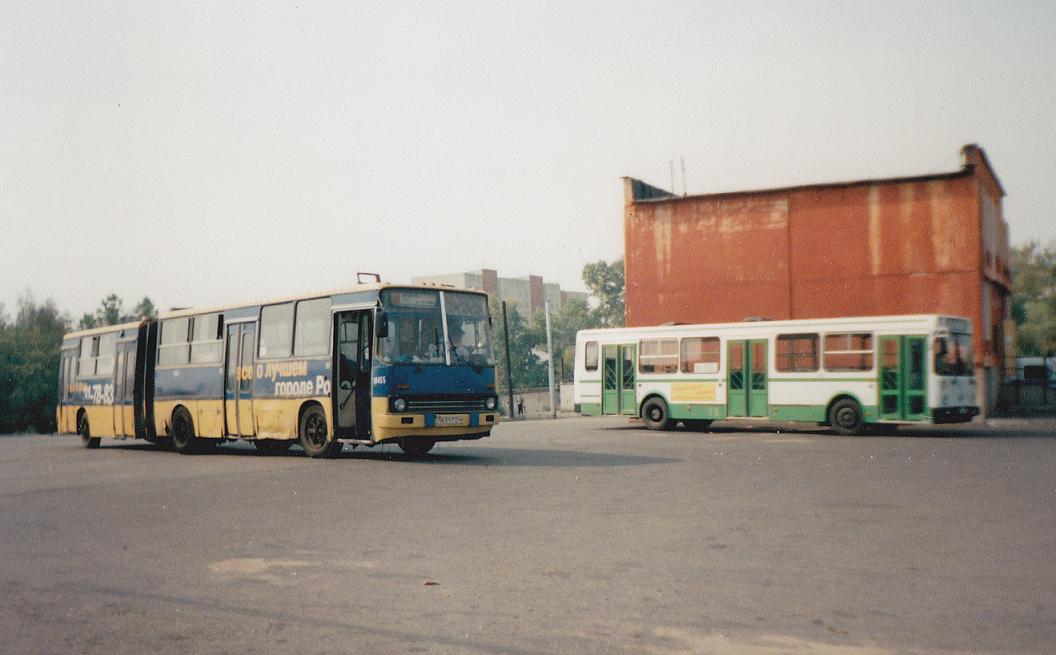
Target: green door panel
x,y
903,378
757,378
628,402
610,380
736,384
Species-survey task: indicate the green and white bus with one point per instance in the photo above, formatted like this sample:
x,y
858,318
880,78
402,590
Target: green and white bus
x,y
849,373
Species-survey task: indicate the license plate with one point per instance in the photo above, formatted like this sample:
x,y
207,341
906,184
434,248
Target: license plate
x,y
448,420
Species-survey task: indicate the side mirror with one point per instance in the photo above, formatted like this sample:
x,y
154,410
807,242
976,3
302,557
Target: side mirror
x,y
381,324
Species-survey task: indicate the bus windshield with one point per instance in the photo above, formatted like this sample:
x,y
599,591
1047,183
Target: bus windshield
x,y
953,354
416,328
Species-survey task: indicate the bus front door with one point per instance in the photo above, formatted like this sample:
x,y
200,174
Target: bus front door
x,y
238,380
746,378
352,333
617,380
903,378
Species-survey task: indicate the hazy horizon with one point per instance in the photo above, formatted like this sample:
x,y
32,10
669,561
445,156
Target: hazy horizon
x,y
218,153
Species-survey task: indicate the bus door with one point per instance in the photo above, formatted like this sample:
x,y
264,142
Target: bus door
x,y
352,353
746,378
628,399
617,380
124,386
119,391
903,378
238,380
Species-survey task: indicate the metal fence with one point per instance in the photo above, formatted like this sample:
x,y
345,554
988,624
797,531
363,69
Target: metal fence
x,y
1033,386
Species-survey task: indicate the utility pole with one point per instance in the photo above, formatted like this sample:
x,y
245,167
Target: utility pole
x,y
509,372
550,367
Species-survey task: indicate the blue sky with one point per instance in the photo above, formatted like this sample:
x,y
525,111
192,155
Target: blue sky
x,y
207,153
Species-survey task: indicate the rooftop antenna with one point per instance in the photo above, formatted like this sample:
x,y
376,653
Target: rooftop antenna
x,y
671,165
683,161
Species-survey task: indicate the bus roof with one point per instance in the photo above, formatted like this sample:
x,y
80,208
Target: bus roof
x,y
763,325
101,330
359,288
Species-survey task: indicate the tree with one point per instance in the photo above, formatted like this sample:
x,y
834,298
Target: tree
x,y
528,370
145,309
1034,298
606,283
29,359
573,316
109,312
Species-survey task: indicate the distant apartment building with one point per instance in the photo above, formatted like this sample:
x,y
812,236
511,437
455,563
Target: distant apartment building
x,y
528,293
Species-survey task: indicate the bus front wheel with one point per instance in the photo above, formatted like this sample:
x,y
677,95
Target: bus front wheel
x,y
86,434
845,417
314,435
655,414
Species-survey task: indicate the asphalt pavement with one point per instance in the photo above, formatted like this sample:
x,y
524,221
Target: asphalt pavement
x,y
586,535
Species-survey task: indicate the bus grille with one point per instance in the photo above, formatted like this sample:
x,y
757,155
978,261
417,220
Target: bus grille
x,y
446,406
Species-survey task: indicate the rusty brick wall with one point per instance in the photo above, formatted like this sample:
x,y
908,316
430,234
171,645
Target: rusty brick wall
x,y
896,247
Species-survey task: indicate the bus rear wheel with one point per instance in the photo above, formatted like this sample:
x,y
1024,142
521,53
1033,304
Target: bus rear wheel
x,y
314,436
655,414
416,447
86,434
183,439
845,417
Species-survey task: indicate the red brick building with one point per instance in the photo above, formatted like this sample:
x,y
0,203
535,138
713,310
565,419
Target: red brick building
x,y
928,244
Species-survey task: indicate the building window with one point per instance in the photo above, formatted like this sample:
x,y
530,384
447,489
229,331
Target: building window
x,y
276,331
174,349
590,355
700,355
658,356
312,336
849,352
797,353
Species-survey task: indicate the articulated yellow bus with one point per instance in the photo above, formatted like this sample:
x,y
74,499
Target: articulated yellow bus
x,y
377,363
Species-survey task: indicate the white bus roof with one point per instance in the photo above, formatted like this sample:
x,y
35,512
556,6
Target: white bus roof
x,y
846,322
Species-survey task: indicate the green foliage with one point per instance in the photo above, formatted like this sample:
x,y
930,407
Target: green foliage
x,y
29,359
528,370
1034,298
110,312
144,309
606,283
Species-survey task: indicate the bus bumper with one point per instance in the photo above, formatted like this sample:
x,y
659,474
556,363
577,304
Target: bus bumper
x,y
954,414
439,427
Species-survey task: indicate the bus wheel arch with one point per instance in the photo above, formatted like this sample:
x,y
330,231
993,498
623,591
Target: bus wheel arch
x,y
85,430
314,433
845,415
656,413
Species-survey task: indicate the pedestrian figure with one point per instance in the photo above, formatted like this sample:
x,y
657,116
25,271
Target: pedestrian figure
x,y
520,406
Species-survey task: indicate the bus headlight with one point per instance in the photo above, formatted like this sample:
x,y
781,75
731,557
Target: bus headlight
x,y
399,404
489,404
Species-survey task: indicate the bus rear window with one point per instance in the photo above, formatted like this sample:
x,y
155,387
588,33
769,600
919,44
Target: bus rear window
x,y
590,355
